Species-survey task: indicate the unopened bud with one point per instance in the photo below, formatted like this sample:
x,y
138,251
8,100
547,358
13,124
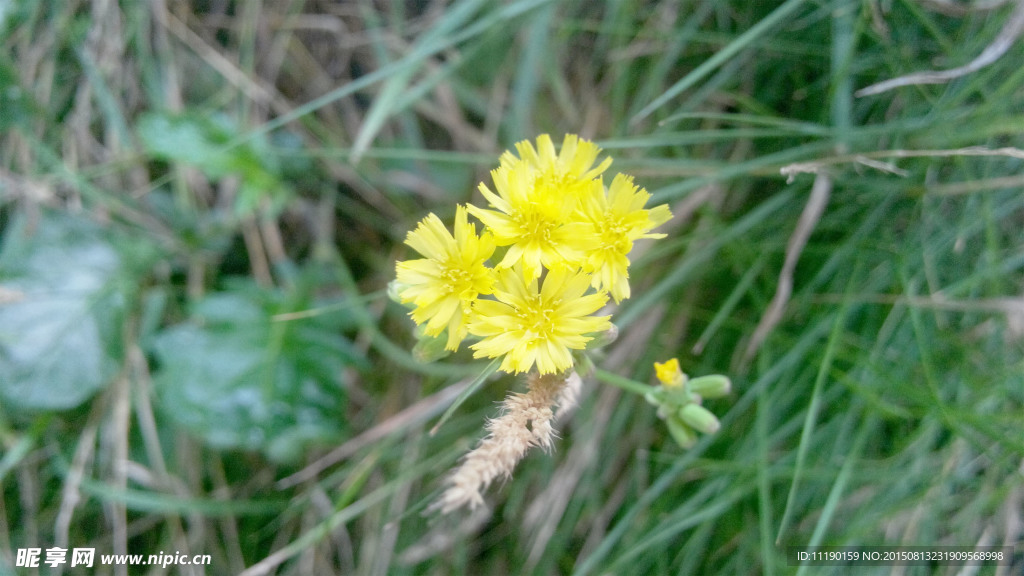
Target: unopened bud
x,y
430,349
713,386
699,418
395,289
681,433
603,338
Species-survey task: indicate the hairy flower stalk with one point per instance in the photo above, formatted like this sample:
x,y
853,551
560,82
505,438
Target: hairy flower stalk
x,y
525,422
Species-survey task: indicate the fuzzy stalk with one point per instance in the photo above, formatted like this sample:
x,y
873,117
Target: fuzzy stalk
x,y
525,421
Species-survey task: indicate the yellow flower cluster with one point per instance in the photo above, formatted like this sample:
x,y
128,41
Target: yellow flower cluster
x,y
563,239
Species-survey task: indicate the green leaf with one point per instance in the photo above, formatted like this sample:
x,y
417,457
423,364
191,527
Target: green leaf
x,y
204,141
240,380
60,312
193,140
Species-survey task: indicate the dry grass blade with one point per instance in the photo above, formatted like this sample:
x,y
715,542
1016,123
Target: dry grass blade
x,y
443,537
813,210
70,494
118,436
256,90
969,187
411,416
1007,36
867,159
547,510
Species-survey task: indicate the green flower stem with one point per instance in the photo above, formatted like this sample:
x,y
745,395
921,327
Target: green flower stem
x,y
624,383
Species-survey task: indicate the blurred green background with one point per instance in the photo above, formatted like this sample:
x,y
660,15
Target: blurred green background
x,y
201,204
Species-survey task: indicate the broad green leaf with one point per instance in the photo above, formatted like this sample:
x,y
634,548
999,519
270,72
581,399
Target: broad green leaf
x,y
241,380
60,312
204,142
192,140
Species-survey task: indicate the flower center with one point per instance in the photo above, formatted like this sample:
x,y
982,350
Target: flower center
x,y
536,226
536,319
458,281
614,233
555,183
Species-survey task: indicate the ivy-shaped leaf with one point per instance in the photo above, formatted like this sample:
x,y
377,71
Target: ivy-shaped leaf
x,y
61,310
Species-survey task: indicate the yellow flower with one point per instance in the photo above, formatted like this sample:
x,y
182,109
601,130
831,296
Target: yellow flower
x,y
537,203
537,326
444,285
564,234
562,174
669,373
534,224
618,219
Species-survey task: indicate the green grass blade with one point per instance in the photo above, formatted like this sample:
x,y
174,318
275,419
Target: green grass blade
x,y
742,41
473,387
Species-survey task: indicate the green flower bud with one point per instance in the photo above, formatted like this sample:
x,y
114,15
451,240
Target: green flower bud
x,y
713,386
395,289
428,349
603,338
681,433
699,418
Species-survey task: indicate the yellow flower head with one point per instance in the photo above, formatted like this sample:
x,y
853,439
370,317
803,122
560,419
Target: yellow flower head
x,y
531,325
567,242
536,225
537,202
561,174
669,373
617,220
444,284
